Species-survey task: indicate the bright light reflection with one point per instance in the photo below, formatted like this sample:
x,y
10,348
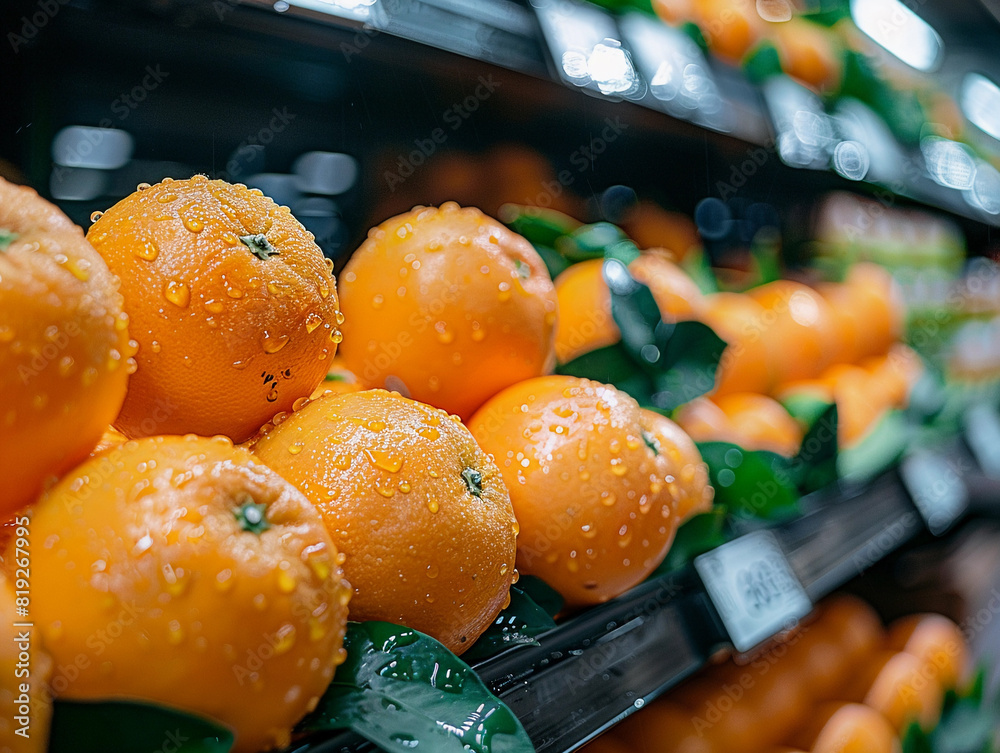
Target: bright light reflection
x,y
901,31
611,69
948,163
980,101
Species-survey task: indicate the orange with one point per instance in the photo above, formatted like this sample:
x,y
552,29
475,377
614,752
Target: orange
x,y
731,27
799,329
745,364
691,490
447,306
585,320
868,312
895,374
337,380
752,421
665,727
24,673
651,226
178,570
808,52
609,742
847,728
233,305
595,482
901,687
935,640
64,345
417,507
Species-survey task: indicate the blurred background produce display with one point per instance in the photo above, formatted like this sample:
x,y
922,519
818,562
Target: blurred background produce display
x,y
689,314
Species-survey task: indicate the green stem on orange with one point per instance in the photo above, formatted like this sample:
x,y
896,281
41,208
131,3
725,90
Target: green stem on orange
x,y
651,442
6,238
523,270
252,517
473,481
259,246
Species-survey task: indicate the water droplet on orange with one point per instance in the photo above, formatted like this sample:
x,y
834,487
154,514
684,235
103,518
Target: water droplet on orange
x,y
175,633
337,336
272,345
95,216
234,292
432,505
146,250
313,320
504,294
295,448
387,460
618,467
444,335
89,376
432,571
166,198
177,293
224,580
338,315
194,225
608,499
79,268
214,306
286,582
385,491
324,290
429,433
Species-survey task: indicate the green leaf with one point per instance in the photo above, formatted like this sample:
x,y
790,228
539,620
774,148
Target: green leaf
x,y
696,265
635,312
805,407
762,62
610,365
753,484
765,251
539,226
879,449
132,728
697,535
815,465
517,625
694,31
542,594
401,690
967,728
6,238
589,241
689,361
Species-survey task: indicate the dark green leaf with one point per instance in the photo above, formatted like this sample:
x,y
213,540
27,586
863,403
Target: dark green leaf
x,y
132,728
815,466
804,407
542,594
554,261
762,62
766,254
401,689
915,740
542,227
589,241
694,31
610,364
517,625
689,360
967,728
638,317
698,535
755,484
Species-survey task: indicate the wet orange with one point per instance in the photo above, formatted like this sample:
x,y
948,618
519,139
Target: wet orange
x,y
609,742
447,306
895,374
664,727
24,673
745,364
179,570
420,511
752,421
799,329
64,345
595,481
847,728
585,320
232,303
111,438
935,640
846,635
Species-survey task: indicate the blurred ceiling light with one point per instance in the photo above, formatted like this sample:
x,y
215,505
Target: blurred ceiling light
x,y
611,68
899,30
948,163
850,159
985,191
325,172
99,148
345,8
980,101
775,10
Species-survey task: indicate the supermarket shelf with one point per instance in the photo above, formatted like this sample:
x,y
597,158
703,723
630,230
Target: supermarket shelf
x,y
603,665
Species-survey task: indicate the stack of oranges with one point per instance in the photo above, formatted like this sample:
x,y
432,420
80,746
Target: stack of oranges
x,y
841,684
216,456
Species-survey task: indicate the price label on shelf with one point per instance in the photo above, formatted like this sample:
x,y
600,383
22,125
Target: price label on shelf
x,y
936,489
753,588
982,430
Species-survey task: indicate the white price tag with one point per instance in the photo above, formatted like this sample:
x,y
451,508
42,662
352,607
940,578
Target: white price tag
x,y
982,429
753,588
936,490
